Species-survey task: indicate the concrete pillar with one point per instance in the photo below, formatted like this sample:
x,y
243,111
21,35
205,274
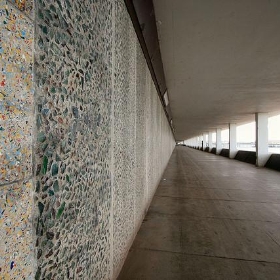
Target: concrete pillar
x,y
197,141
193,142
200,141
219,145
261,139
204,141
210,141
232,140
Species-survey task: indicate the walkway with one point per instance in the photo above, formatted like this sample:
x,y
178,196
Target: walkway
x,y
211,218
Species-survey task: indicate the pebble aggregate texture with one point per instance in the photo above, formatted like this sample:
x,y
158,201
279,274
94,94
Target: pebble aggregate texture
x,y
99,139
16,124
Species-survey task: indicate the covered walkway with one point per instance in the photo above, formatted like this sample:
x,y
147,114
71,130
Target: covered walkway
x,y
211,218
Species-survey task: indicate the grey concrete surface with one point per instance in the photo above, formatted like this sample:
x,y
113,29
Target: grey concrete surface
x,y
221,61
211,218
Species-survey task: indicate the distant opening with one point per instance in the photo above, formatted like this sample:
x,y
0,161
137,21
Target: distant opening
x,y
274,134
246,137
225,139
214,137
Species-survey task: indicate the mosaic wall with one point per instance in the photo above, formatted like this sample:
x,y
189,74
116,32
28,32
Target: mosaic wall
x,y
16,94
124,134
77,177
140,191
16,120
139,158
25,6
16,238
73,77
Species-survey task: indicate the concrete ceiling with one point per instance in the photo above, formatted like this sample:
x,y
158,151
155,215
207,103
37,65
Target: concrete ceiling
x,y
221,60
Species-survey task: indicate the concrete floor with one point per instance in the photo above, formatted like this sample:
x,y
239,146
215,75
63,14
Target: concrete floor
x,y
211,218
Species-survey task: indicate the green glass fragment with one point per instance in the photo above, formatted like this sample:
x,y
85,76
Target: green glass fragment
x,y
54,169
41,207
45,29
45,165
39,121
56,186
37,187
51,192
60,210
41,137
38,274
67,178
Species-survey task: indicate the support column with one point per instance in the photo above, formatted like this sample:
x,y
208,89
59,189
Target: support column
x,y
218,141
210,141
204,141
261,139
232,140
200,141
193,142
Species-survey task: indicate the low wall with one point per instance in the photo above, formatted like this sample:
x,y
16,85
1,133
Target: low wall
x,y
246,156
213,151
224,153
273,162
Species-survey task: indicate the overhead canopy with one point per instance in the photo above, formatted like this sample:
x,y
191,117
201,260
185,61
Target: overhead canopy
x,y
221,60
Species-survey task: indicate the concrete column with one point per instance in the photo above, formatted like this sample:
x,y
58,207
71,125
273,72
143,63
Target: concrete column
x,y
197,141
193,142
261,139
210,141
200,141
232,140
219,145
204,141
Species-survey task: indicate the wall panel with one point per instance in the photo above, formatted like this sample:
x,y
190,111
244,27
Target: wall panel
x,y
84,138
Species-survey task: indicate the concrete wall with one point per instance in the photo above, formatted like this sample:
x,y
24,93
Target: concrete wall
x,y
92,154
16,125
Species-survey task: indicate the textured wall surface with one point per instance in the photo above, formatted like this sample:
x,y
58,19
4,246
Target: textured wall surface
x,y
78,177
139,127
124,134
73,76
16,121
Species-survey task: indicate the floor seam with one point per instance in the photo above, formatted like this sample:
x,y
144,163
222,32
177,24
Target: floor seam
x,y
205,188
207,256
217,218
216,199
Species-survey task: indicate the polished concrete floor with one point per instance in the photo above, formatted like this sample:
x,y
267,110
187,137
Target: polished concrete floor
x,y
211,218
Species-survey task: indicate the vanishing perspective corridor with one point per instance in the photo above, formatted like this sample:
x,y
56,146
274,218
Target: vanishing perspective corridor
x,y
211,218
101,103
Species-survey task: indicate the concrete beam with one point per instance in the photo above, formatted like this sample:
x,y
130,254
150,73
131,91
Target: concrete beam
x,y
232,140
261,139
